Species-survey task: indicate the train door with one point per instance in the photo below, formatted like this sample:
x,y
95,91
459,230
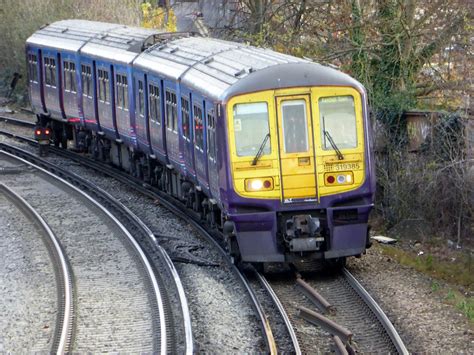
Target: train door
x,y
199,135
296,148
141,108
211,149
187,131
34,79
155,113
52,83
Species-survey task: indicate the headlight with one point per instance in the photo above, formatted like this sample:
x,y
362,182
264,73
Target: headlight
x,y
259,184
339,178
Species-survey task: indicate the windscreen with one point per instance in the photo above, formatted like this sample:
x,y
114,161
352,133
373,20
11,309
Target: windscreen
x,y
338,119
251,128
294,126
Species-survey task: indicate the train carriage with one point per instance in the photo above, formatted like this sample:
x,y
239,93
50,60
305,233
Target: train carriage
x,y
273,150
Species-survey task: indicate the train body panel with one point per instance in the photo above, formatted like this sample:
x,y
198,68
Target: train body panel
x,y
273,150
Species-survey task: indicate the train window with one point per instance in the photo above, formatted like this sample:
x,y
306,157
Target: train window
x,y
168,109
154,104
103,83
251,128
121,91
141,101
100,79
338,119
69,77
86,76
118,91
50,71
52,68
174,110
106,87
211,135
171,111
33,68
198,127
185,118
294,128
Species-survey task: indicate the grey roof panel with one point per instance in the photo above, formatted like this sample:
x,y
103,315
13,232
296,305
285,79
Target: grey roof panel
x,y
68,34
218,68
104,40
290,75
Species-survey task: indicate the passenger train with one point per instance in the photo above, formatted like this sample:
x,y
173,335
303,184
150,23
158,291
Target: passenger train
x,y
272,150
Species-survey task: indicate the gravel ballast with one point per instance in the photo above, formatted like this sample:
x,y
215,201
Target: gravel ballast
x,y
28,287
424,321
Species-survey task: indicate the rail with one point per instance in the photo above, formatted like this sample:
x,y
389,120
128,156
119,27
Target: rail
x,y
379,313
16,152
64,329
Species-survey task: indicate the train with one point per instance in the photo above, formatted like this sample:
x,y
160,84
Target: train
x,y
273,151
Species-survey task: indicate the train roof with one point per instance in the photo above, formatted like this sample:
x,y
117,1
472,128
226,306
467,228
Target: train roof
x,y
219,69
97,39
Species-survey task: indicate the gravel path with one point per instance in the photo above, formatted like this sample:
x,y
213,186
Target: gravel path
x,y
27,284
113,309
425,323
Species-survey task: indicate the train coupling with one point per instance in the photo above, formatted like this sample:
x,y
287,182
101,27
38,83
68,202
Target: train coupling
x,y
303,233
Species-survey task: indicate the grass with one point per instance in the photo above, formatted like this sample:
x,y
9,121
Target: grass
x,y
458,273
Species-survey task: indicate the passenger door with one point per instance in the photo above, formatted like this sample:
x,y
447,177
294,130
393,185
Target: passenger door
x,y
296,148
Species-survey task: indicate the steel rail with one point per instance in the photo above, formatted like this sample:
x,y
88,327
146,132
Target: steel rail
x,y
174,273
139,250
314,296
180,212
189,342
65,321
173,207
17,121
281,309
327,324
379,313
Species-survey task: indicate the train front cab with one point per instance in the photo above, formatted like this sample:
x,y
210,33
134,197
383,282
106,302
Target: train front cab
x,y
298,165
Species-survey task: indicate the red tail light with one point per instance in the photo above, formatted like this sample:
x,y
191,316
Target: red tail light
x,y
38,132
47,131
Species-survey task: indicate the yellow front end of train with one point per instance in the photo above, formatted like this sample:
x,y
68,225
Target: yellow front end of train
x,y
296,144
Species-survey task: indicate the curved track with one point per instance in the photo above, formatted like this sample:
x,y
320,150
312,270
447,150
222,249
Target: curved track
x,y
396,344
166,342
64,325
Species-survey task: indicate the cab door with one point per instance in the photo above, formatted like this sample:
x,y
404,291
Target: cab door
x,y
296,148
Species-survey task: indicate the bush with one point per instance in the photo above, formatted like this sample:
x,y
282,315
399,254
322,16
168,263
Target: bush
x,y
433,184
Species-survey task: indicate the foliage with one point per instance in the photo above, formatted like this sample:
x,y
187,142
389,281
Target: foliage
x,y
18,22
396,48
158,17
434,184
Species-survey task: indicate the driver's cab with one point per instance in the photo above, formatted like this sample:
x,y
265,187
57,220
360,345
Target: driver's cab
x,y
296,144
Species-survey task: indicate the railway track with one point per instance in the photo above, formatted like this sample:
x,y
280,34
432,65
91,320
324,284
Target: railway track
x,y
298,336
337,305
163,331
65,297
267,335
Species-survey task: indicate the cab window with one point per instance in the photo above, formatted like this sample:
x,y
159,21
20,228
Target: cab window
x,y
294,126
250,128
338,121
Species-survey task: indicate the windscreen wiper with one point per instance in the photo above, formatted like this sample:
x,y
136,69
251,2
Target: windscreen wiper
x,y
333,145
260,150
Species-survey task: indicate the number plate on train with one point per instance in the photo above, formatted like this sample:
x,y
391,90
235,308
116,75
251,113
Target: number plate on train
x,y
341,166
